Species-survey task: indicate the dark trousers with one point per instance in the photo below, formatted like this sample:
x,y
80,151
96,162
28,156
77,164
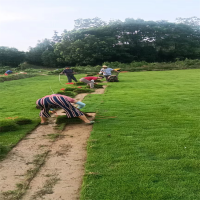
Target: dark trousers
x,y
106,76
71,77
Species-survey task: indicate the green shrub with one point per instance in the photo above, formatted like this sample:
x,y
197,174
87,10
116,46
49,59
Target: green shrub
x,y
91,74
22,121
54,72
3,69
8,125
15,77
26,66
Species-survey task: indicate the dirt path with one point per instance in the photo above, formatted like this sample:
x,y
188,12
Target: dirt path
x,y
47,164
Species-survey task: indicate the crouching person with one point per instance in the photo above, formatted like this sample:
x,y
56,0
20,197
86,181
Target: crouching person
x,y
8,72
64,102
89,80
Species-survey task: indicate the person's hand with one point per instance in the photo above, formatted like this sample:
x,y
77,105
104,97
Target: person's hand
x,y
80,104
52,110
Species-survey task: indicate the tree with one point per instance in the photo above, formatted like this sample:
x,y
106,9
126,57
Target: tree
x,y
42,54
191,21
11,56
88,23
131,40
56,38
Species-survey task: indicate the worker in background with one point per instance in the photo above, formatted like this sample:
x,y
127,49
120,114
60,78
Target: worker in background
x,y
107,71
64,102
8,72
70,74
90,80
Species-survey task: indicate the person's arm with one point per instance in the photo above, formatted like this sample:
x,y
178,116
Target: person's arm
x,y
80,104
62,72
101,71
51,110
94,79
115,70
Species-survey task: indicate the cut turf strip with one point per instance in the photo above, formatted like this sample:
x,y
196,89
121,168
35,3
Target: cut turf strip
x,y
63,159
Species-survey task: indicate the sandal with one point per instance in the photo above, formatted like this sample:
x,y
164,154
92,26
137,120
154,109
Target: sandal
x,y
91,122
45,123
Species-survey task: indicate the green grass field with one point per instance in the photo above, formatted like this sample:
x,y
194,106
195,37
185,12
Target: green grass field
x,y
151,150
145,143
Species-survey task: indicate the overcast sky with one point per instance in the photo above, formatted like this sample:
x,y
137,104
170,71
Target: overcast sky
x,y
24,22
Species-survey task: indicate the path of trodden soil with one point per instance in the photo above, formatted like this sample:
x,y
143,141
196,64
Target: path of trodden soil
x,y
42,167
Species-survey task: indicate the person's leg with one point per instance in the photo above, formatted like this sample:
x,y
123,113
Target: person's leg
x,y
85,81
84,118
106,77
44,113
91,84
43,119
69,78
74,78
70,110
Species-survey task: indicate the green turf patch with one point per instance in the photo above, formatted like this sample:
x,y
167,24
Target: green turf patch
x,y
98,85
69,89
66,120
8,125
67,93
3,151
79,83
61,119
83,90
22,121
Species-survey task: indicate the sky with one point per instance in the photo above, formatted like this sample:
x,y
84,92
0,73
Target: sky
x,y
24,22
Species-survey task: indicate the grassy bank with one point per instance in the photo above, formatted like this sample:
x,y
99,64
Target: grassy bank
x,y
145,144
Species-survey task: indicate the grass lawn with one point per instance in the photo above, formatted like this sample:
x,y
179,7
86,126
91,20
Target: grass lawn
x,y
146,142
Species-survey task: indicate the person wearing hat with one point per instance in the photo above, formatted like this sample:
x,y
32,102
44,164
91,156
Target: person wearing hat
x,y
107,71
70,74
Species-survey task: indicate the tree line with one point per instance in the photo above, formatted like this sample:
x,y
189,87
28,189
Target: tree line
x,y
93,41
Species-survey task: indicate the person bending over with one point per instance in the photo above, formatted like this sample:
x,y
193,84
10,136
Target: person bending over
x,y
64,102
70,74
89,80
8,72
